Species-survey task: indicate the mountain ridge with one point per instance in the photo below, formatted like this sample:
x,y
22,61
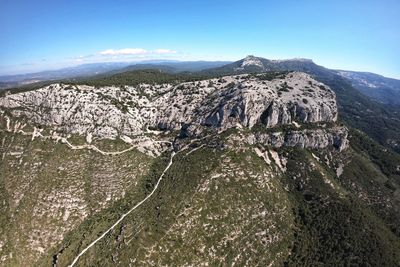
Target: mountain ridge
x,y
378,87
157,168
362,116
104,68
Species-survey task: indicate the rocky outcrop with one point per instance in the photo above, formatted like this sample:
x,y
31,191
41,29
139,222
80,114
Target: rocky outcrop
x,y
309,138
216,104
296,97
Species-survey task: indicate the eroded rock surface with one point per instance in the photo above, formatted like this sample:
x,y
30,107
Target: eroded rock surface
x,y
221,104
309,138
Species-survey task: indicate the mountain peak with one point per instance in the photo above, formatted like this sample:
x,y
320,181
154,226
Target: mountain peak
x,y
251,60
250,57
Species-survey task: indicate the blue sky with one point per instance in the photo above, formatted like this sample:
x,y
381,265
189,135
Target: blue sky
x,y
355,35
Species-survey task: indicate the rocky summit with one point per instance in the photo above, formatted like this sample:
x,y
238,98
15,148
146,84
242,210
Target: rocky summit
x,y
245,169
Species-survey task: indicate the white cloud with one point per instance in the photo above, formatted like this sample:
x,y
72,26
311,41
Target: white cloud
x,y
125,51
164,51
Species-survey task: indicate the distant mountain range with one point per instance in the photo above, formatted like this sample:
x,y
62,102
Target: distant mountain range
x,y
382,89
76,71
87,70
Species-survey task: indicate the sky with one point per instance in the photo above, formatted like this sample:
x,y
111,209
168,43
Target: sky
x,y
357,35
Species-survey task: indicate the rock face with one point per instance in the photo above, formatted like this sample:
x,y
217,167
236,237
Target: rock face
x,y
295,97
251,62
310,138
218,104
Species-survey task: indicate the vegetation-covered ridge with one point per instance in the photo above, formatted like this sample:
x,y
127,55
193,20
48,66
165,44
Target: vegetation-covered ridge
x,y
127,78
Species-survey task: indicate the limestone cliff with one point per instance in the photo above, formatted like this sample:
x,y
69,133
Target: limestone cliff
x,y
214,104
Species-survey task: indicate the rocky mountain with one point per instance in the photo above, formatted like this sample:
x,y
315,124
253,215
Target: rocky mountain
x,y
361,108
220,104
377,87
258,64
382,89
244,169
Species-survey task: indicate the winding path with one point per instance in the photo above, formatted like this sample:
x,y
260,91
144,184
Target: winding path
x,y
64,140
125,214
92,147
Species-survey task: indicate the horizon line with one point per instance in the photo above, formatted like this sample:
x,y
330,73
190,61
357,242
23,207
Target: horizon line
x,y
161,60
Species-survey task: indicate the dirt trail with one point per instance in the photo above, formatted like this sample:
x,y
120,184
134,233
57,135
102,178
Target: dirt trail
x,y
138,204
127,213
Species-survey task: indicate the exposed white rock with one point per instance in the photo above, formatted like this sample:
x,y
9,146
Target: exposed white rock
x,y
309,138
218,104
89,138
279,161
263,155
339,170
252,61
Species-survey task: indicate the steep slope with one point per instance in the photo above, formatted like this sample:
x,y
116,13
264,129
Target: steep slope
x,y
382,89
379,121
211,208
248,170
216,103
336,223
48,189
